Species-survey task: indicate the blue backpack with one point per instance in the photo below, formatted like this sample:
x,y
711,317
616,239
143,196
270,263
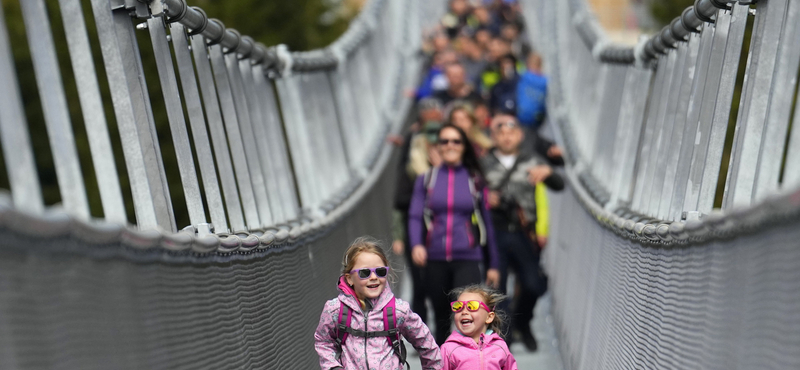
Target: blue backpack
x,y
531,95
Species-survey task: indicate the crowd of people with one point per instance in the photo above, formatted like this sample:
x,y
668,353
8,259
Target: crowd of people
x,y
471,183
470,207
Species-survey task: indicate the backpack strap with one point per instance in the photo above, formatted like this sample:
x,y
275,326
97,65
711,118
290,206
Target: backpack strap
x,y
393,334
343,324
429,180
390,331
477,216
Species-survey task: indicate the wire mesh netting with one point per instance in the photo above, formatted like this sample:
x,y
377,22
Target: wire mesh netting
x,y
62,310
618,304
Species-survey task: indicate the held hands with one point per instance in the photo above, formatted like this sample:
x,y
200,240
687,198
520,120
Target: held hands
x,y
419,255
493,278
539,174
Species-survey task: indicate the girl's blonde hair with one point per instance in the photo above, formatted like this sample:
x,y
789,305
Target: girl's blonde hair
x,y
489,296
361,245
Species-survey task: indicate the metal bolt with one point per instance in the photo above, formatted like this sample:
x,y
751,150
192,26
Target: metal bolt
x,y
141,26
752,11
169,38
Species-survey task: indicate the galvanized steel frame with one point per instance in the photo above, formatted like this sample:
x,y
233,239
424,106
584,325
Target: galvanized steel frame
x,y
677,119
334,105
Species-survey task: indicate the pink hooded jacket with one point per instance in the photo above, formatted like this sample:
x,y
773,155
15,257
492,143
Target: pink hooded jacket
x,y
371,353
462,353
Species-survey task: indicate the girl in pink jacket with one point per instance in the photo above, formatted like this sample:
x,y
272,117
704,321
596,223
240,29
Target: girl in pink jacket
x,y
362,328
475,344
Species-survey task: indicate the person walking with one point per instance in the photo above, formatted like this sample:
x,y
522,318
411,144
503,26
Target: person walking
x,y
512,175
364,326
449,223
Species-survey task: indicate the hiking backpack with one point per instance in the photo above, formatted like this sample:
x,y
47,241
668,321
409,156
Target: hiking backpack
x,y
389,331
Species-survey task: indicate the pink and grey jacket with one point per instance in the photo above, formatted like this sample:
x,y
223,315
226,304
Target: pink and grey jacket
x,y
360,353
460,352
450,200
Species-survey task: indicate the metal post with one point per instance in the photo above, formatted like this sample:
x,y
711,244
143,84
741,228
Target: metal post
x,y
275,142
129,94
194,108
250,147
294,122
784,85
645,145
750,126
679,118
254,104
660,128
54,105
17,149
682,185
218,138
634,100
177,122
235,143
722,109
668,124
105,169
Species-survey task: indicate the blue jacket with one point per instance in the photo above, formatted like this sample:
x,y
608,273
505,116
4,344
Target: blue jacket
x,y
451,237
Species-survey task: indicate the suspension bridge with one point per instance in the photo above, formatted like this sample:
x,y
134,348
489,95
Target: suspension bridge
x,y
655,260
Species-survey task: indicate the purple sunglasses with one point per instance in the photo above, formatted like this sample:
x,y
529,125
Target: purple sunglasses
x,y
365,273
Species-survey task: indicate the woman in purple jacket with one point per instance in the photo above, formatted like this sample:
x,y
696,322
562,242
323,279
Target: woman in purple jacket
x,y
447,208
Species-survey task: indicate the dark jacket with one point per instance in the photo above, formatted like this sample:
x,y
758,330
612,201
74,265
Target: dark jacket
x,y
517,191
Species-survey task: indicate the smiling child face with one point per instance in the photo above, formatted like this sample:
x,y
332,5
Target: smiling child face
x,y
472,324
371,287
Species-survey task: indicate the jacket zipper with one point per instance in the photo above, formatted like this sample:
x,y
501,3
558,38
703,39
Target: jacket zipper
x,y
366,328
470,237
450,199
480,350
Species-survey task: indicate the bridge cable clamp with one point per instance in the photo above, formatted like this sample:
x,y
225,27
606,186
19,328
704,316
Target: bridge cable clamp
x,y
286,61
202,27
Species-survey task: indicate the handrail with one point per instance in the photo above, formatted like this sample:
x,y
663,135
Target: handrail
x,y
661,118
276,121
656,45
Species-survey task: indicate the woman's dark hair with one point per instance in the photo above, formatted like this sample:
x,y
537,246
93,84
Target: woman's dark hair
x,y
469,159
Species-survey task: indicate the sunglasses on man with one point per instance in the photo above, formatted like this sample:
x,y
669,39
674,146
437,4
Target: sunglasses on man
x,y
472,306
365,273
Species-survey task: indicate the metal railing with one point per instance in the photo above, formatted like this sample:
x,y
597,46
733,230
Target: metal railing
x,y
658,277
649,140
278,138
281,157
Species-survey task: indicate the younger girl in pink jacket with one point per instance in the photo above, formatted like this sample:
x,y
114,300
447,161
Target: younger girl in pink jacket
x,y
475,344
371,317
